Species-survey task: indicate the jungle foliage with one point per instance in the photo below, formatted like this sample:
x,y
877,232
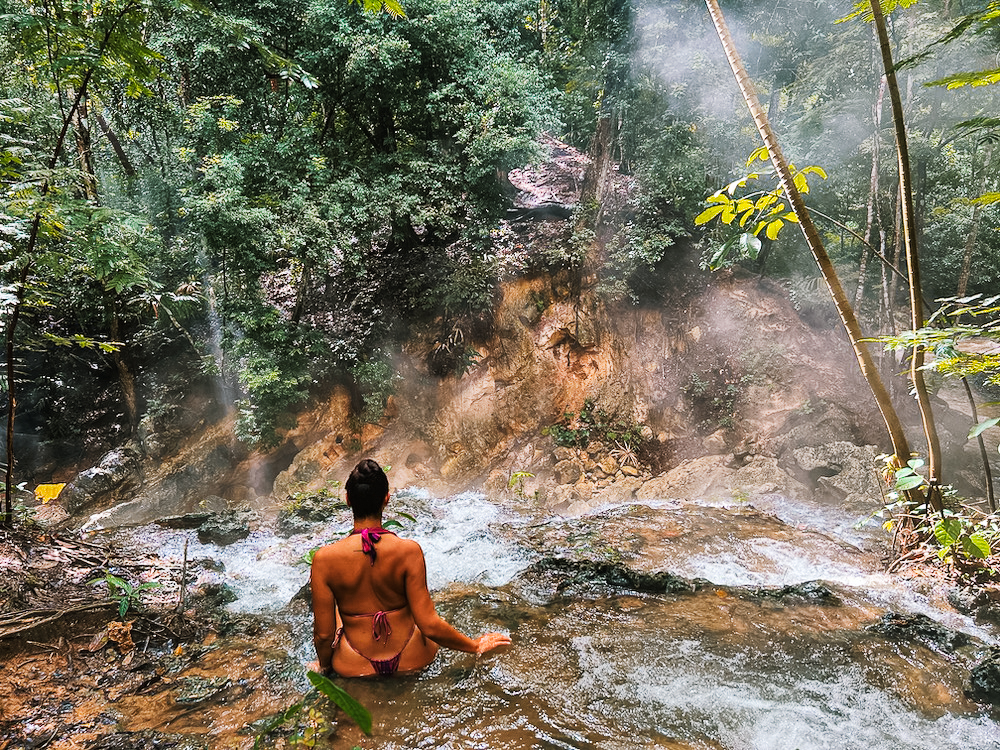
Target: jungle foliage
x,y
271,193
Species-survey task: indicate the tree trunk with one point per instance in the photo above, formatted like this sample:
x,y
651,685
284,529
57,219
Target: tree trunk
x,y
85,149
912,262
116,145
970,245
848,318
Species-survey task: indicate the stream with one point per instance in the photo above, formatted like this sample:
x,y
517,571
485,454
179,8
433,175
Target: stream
x,y
655,625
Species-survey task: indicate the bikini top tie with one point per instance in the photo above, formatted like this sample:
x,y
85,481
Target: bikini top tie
x,y
369,537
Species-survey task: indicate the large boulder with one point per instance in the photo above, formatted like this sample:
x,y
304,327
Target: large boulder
x,y
225,528
117,475
841,472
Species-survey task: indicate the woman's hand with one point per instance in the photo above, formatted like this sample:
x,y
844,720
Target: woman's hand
x,y
490,641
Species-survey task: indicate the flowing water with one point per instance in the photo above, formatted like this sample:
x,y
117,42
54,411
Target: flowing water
x,y
729,650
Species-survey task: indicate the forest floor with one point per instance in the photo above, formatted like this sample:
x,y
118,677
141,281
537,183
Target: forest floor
x,y
74,666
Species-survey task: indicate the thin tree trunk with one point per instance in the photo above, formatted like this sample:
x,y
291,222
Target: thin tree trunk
x,y
987,471
912,262
85,149
15,313
848,318
116,145
970,245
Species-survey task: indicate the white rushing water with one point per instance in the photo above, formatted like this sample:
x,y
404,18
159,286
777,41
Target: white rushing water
x,y
623,670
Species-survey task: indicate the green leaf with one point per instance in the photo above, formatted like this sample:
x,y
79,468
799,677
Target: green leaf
x,y
722,253
358,713
909,483
984,425
947,531
289,713
976,546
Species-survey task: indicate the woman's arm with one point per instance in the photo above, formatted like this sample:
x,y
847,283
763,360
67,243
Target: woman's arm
x,y
325,615
431,624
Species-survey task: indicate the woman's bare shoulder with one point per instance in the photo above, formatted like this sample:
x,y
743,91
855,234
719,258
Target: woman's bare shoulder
x,y
329,552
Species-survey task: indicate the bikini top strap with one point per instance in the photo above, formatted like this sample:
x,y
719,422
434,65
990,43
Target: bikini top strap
x,y
369,537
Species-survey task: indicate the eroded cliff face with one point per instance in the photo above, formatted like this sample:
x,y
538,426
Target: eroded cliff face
x,y
723,388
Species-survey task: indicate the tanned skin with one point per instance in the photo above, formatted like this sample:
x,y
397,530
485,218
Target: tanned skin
x,y
345,581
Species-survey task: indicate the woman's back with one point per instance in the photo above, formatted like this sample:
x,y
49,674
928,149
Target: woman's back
x,y
372,612
366,573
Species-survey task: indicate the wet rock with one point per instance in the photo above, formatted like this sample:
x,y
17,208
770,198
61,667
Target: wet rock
x,y
921,628
115,476
983,603
148,738
577,572
840,471
186,521
761,475
809,591
303,512
218,593
198,689
225,528
984,680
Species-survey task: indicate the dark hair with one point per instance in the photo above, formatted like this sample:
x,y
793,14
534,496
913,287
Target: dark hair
x,y
366,489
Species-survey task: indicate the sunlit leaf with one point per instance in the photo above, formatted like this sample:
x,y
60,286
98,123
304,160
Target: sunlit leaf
x,y
982,426
708,214
976,546
355,711
947,531
909,483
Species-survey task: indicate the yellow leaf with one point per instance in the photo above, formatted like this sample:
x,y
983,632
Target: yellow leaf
x,y
773,228
48,492
765,201
708,214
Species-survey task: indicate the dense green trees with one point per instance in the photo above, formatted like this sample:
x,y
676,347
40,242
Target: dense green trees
x,y
274,190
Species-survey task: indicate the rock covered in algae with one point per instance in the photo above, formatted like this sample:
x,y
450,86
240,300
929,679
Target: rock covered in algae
x,y
984,680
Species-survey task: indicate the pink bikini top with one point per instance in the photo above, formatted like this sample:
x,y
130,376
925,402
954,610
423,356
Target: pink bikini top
x,y
369,537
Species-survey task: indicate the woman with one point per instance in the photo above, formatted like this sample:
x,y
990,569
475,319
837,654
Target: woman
x,y
372,612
